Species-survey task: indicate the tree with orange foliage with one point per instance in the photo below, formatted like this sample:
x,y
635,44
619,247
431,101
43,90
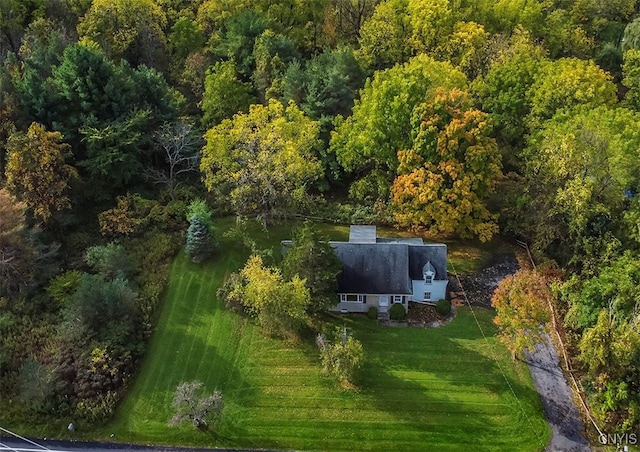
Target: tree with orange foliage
x,y
522,305
444,179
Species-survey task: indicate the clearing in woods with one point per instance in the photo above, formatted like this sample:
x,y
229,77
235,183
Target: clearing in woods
x,y
420,389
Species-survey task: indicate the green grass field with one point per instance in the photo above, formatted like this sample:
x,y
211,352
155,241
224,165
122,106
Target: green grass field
x,y
438,389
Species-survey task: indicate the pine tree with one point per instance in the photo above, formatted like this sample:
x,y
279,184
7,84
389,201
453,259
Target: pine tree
x,y
199,241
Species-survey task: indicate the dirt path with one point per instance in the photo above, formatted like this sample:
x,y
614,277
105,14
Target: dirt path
x,y
557,401
556,396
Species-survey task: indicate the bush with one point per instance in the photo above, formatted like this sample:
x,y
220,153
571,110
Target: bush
x,y
443,307
372,313
397,312
343,357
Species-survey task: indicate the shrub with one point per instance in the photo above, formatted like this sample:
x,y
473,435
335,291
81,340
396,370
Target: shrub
x,y
372,313
443,307
232,292
64,285
110,261
397,312
342,357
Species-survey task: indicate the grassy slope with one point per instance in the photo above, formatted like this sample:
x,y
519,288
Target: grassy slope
x,y
421,389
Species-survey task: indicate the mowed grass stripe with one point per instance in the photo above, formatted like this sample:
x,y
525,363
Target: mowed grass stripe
x,y
419,390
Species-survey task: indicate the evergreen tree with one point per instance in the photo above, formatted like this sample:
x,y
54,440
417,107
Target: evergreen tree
x,y
313,260
199,240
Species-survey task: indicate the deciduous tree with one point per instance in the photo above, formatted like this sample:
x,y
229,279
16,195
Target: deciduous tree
x,y
466,47
186,37
16,250
610,351
431,24
280,306
581,168
384,36
384,117
613,286
178,145
583,83
36,170
192,405
503,92
351,15
522,308
262,162
444,179
132,29
631,79
224,95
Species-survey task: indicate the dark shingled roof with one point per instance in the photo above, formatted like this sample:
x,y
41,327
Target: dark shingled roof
x,y
420,255
387,266
373,268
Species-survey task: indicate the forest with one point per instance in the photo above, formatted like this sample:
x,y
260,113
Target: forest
x,y
122,121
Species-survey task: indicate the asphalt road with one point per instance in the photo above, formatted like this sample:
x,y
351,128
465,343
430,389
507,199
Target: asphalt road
x,y
41,445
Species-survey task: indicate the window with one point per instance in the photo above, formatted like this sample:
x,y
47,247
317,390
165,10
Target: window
x,y
427,296
428,279
398,299
352,297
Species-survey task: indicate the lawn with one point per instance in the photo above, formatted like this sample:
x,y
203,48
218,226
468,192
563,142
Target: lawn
x,y
421,389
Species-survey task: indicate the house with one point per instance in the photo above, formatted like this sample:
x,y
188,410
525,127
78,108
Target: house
x,y
380,271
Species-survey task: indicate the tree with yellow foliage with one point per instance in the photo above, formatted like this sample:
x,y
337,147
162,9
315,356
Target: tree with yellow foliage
x,y
522,305
36,170
262,162
444,179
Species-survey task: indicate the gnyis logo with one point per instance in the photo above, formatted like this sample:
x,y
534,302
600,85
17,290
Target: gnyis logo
x,y
619,439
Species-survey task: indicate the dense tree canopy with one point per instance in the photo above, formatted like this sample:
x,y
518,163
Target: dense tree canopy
x,y
131,29
224,95
581,169
263,162
384,117
17,252
444,179
583,83
399,112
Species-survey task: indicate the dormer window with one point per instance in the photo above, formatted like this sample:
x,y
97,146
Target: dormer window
x,y
428,272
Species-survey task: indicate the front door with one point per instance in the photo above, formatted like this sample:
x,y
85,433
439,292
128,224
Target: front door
x,y
383,303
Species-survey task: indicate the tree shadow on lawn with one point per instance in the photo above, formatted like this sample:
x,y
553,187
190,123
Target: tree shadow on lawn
x,y
457,369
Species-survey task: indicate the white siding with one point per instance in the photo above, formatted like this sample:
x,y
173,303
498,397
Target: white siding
x,y
437,289
370,300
